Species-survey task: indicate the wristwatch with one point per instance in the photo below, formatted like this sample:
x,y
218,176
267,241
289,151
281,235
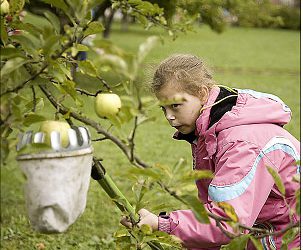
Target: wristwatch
x,y
164,222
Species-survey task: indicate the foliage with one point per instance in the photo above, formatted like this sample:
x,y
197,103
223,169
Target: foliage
x,y
39,64
291,17
207,12
253,13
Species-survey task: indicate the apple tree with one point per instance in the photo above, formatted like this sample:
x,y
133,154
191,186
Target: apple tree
x,y
41,66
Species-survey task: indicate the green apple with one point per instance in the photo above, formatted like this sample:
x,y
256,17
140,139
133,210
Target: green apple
x,y
107,105
4,7
62,127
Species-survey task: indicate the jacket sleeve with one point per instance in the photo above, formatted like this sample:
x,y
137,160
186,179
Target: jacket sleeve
x,y
242,180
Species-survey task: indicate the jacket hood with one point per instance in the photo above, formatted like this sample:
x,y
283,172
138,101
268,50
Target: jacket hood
x,y
252,107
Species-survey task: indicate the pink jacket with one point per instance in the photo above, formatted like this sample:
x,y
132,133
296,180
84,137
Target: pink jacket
x,y
237,150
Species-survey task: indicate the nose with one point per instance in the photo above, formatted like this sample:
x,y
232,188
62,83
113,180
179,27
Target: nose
x,y
170,117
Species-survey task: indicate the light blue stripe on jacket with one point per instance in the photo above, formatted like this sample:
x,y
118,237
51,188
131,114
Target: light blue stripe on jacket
x,y
229,192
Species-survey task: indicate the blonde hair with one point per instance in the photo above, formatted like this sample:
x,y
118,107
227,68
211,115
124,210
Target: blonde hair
x,y
185,71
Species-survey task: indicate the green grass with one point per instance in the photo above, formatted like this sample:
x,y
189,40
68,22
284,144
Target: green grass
x,y
261,59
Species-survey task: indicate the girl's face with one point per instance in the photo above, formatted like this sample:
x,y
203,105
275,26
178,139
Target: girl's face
x,y
180,108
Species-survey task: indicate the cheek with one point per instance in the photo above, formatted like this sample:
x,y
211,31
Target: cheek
x,y
195,111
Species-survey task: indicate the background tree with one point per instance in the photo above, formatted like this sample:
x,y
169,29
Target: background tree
x,y
39,65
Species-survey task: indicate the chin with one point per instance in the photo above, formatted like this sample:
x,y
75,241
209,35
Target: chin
x,y
185,131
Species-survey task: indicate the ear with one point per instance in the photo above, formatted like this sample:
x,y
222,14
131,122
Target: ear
x,y
203,94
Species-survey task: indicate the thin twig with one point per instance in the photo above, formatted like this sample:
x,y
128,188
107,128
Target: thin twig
x,y
132,138
280,232
223,230
82,91
104,83
20,86
34,99
100,139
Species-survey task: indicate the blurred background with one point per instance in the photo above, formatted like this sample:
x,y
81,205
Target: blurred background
x,y
251,44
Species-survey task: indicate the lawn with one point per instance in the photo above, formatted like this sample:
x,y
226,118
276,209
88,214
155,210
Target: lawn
x,y
261,59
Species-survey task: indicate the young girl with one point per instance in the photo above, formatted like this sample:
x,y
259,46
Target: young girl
x,y
235,134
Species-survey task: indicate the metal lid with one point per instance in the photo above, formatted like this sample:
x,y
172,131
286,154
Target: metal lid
x,y
78,138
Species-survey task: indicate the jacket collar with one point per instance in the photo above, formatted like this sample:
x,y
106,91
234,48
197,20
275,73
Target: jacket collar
x,y
204,118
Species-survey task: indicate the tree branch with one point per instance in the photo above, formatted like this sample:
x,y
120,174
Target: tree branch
x,y
69,44
34,99
63,110
82,91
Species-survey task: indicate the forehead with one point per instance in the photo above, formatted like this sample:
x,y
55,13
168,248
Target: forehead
x,y
169,90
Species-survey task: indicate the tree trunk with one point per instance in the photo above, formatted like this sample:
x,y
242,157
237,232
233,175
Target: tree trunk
x,y
108,20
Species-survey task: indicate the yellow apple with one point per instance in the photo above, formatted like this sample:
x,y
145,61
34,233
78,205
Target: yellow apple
x,y
107,105
4,7
62,127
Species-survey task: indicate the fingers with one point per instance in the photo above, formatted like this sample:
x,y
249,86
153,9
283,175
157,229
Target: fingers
x,y
143,212
126,222
148,218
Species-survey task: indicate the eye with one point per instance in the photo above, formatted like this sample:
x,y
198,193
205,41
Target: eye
x,y
175,105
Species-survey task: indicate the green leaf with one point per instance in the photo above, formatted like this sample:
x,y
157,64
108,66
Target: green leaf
x,y
38,23
68,87
296,178
39,81
65,70
33,118
198,174
289,236
16,5
28,42
168,240
4,149
277,179
60,4
197,207
256,243
115,62
7,53
143,119
298,201
229,210
146,229
3,32
39,104
238,243
93,28
139,191
178,166
54,20
87,67
12,65
81,47
51,45
148,172
146,47
121,233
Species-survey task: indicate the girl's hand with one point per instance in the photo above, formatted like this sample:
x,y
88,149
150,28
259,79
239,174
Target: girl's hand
x,y
146,218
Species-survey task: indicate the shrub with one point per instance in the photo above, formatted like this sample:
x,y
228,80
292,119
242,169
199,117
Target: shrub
x,y
264,14
291,17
